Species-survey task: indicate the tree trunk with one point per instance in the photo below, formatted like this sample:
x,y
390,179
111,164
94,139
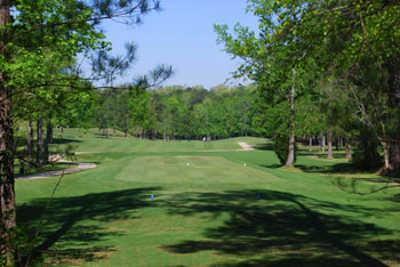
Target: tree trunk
x,y
50,131
29,140
386,155
310,143
394,157
7,191
292,134
330,144
391,153
348,151
394,101
339,143
47,142
322,142
39,141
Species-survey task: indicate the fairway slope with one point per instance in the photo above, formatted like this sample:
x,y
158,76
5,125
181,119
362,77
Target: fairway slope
x,y
152,203
190,170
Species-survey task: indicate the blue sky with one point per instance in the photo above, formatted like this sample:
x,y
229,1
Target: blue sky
x,y
182,35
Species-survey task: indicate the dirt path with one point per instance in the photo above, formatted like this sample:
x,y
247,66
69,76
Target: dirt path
x,y
245,146
78,167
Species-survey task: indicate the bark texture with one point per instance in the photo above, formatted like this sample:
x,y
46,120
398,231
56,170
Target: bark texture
x,y
394,156
322,142
39,141
386,155
7,192
48,140
330,144
348,151
391,153
394,102
292,133
29,140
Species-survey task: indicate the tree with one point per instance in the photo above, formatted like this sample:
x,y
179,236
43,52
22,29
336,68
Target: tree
x,y
178,112
141,118
272,60
7,192
33,29
355,43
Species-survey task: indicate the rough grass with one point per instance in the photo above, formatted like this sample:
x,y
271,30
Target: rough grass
x,y
214,206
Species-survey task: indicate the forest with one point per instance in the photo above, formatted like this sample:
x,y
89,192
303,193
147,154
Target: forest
x,y
320,76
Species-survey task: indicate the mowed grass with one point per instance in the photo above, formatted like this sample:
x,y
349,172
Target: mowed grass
x,y
213,205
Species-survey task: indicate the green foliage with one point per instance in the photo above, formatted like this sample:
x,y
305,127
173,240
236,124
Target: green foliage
x,y
40,42
175,112
345,57
43,44
366,155
281,146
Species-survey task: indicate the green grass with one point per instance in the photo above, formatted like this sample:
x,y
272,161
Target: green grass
x,y
214,206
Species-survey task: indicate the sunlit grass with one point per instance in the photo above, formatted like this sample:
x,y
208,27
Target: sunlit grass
x,y
212,205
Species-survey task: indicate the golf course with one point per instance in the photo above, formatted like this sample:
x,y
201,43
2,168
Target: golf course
x,y
155,133
195,203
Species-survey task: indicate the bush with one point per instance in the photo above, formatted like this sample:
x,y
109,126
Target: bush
x,y
366,155
281,147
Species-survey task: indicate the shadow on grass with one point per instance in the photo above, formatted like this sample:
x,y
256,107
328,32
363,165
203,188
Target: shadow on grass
x,y
358,185
65,141
109,135
266,146
321,155
314,166
346,167
69,228
271,166
282,229
334,168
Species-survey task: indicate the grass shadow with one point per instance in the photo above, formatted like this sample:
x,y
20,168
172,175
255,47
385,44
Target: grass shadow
x,y
69,227
321,155
271,166
65,141
346,167
270,228
358,185
314,166
266,146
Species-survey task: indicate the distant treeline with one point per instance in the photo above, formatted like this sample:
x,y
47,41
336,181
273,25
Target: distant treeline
x,y
177,112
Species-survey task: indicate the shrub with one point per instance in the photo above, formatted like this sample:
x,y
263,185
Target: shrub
x,y
281,147
366,155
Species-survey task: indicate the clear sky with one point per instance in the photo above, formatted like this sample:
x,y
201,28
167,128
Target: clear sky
x,y
182,35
